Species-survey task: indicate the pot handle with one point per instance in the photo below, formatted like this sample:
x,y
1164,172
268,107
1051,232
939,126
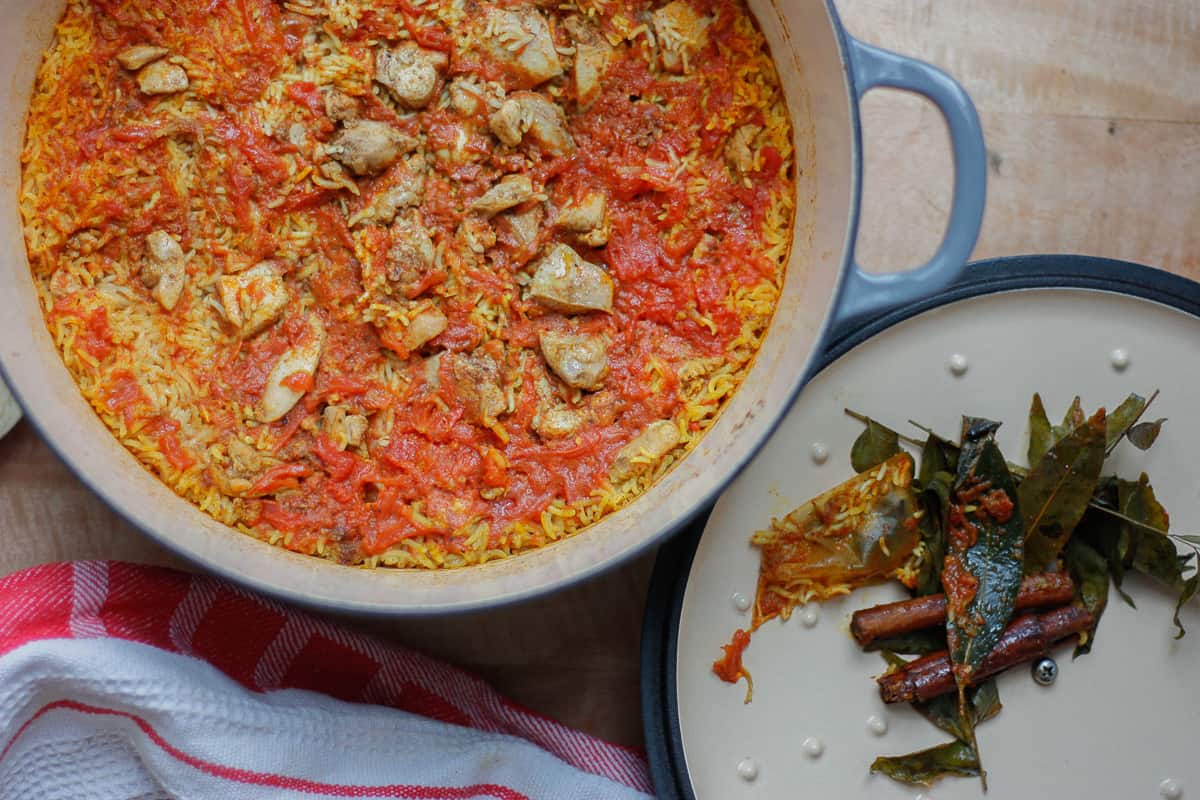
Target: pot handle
x,y
865,294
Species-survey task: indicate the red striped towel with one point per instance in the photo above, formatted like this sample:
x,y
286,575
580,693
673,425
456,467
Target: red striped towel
x,y
127,681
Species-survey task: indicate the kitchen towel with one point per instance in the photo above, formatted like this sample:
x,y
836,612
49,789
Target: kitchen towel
x,y
125,681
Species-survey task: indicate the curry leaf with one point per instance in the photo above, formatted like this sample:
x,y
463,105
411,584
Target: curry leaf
x,y
936,503
926,766
1151,551
1102,528
917,643
893,659
982,572
1089,570
874,445
1186,593
937,455
1123,418
1055,494
1041,436
1072,419
1143,435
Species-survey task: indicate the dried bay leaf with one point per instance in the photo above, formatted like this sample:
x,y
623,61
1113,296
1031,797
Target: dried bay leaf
x,y
1089,570
1143,435
1123,418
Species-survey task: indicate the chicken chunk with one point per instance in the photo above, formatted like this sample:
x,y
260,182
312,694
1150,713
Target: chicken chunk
x,y
681,33
138,56
558,422
524,226
565,282
343,426
426,325
410,257
512,190
592,56
529,115
405,188
244,465
466,97
581,361
520,39
253,299
162,77
292,374
340,106
165,270
410,73
740,153
646,449
477,382
368,147
587,218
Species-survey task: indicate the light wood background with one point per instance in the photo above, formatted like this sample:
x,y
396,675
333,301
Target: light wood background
x,y
1092,117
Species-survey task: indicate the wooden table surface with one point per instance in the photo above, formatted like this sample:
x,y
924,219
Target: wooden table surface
x,y
1092,117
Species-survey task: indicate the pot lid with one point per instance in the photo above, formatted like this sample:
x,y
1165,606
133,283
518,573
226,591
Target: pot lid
x,y
1058,325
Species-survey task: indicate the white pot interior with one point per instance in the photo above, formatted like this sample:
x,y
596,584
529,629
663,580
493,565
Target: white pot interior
x,y
801,36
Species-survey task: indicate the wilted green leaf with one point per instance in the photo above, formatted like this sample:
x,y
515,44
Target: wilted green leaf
x,y
937,455
1107,534
876,444
988,547
1185,594
1041,436
926,766
1072,419
1151,551
1056,493
1089,570
917,643
1143,435
1123,418
935,500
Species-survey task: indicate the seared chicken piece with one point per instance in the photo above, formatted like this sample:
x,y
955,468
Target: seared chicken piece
x,y
558,422
646,449
164,272
410,257
524,226
529,115
292,374
368,146
466,98
565,282
476,235
340,106
592,54
410,73
138,56
426,325
681,33
586,217
740,150
477,381
343,426
162,77
512,190
245,466
253,299
581,361
406,188
520,39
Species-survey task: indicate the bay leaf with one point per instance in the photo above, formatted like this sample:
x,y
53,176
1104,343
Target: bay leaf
x,y
1072,419
1151,551
1107,534
925,767
1055,494
1041,435
1143,435
985,542
1089,570
1123,418
876,444
937,455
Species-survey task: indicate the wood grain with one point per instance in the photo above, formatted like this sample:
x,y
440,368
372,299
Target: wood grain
x,y
1092,118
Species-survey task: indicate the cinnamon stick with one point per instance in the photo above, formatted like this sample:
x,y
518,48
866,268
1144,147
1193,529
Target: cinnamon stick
x,y
1026,638
1048,590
